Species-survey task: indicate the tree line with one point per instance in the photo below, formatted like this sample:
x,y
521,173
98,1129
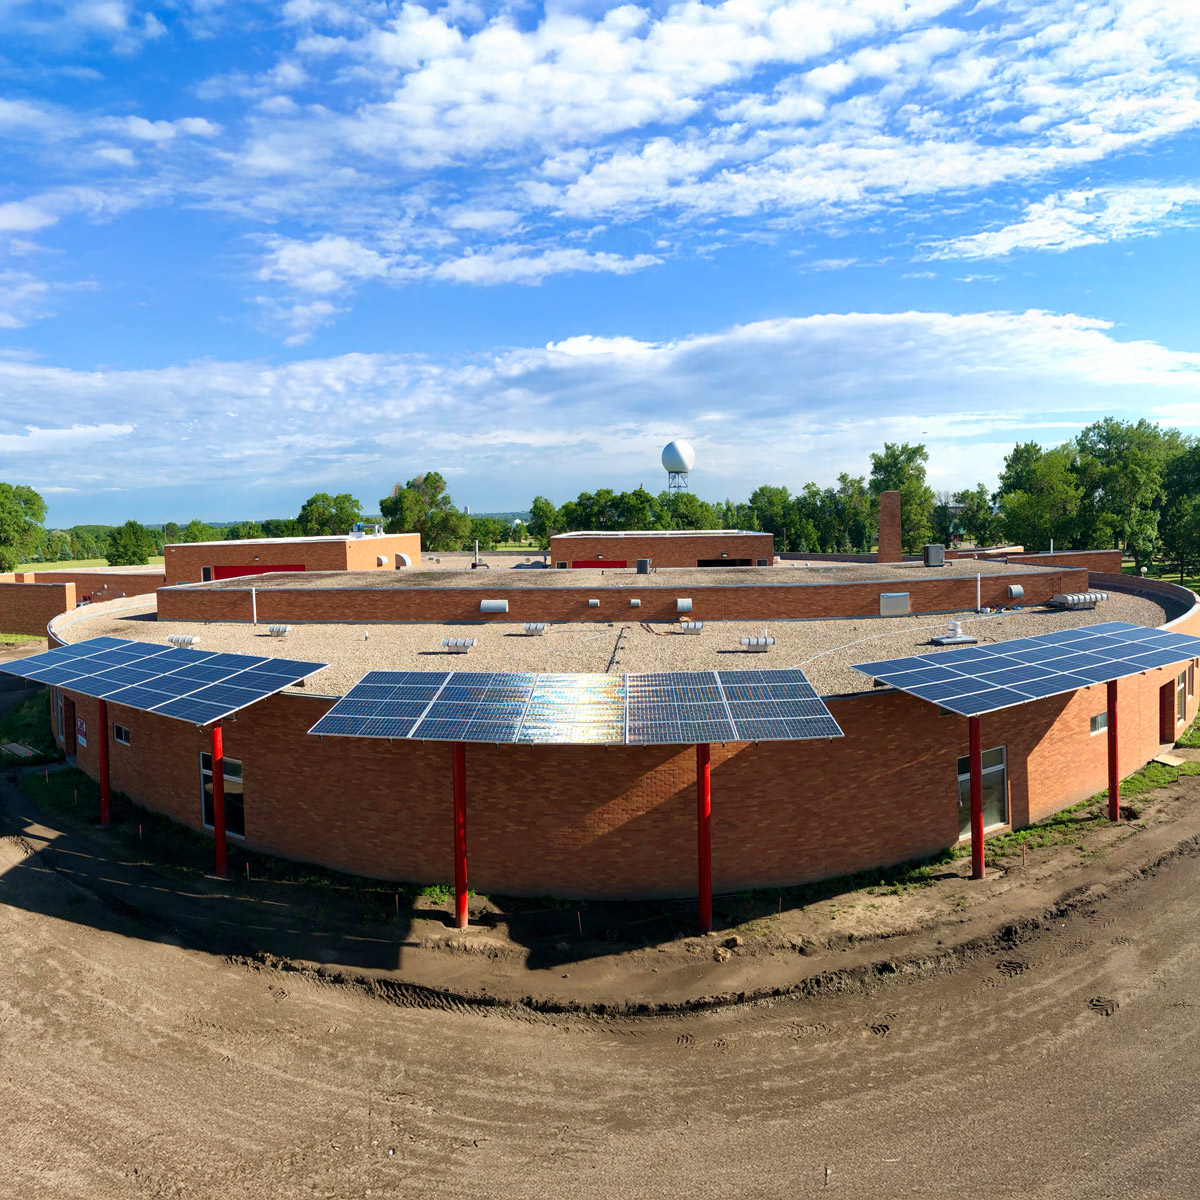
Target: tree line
x,y
1129,485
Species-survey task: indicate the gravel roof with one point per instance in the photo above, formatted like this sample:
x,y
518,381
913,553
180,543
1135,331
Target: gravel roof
x,y
825,649
456,573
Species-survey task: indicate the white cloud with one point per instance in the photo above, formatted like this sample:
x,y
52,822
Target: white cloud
x,y
23,217
21,298
1082,217
37,439
322,266
514,264
811,397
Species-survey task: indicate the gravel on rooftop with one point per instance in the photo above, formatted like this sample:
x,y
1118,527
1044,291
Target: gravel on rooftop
x,y
825,649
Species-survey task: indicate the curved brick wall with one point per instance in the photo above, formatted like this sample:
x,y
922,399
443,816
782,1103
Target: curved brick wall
x,y
596,822
748,602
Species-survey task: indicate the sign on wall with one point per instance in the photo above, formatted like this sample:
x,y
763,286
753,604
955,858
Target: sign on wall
x,y
81,732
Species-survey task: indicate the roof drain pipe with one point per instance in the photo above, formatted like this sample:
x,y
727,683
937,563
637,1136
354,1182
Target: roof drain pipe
x,y
253,607
978,597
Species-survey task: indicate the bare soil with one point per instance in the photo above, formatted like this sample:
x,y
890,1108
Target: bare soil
x,y
1040,1042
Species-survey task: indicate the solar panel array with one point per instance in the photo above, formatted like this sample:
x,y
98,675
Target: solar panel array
x,y
981,679
190,685
674,708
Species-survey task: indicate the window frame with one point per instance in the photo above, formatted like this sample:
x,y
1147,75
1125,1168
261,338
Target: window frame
x,y
119,729
237,778
1181,697
1099,723
1001,766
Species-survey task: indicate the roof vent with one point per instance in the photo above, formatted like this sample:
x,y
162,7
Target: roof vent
x,y
696,627
493,606
683,605
279,630
458,645
184,641
757,645
954,636
1076,601
535,628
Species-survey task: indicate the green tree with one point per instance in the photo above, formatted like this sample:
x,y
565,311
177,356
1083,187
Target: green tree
x,y
943,520
245,531
489,531
979,522
1018,473
323,515
171,533
197,531
901,468
423,506
543,521
22,512
130,544
1048,507
282,527
777,515
1180,524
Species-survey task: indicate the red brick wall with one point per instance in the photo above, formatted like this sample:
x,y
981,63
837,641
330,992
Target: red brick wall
x,y
890,541
665,551
590,821
104,585
184,562
1093,560
29,607
730,603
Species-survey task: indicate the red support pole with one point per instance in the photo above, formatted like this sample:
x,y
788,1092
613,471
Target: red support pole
x,y
704,834
976,752
1114,774
459,757
105,787
218,786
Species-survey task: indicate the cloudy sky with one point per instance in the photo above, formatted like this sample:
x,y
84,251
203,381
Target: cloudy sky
x,y
252,250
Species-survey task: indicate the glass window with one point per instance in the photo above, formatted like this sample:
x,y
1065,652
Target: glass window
x,y
1181,697
995,791
235,812
121,735
1100,722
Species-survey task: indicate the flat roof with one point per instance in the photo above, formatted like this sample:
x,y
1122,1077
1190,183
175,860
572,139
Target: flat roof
x,y
266,541
660,533
457,573
825,650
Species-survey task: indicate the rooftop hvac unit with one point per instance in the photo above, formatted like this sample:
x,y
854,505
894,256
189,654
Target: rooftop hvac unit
x,y
643,566
696,627
683,605
184,641
279,630
458,645
493,606
893,604
535,628
757,645
1076,601
934,555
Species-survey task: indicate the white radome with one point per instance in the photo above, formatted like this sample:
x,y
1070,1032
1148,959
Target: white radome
x,y
678,456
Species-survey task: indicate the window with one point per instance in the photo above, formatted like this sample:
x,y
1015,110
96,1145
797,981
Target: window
x,y
995,791
1192,678
235,814
120,735
1181,697
1100,722
58,711
206,574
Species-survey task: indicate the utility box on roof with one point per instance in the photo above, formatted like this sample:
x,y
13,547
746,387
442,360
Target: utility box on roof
x,y
893,604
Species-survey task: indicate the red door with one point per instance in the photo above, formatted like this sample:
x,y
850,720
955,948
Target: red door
x,y
238,570
1166,712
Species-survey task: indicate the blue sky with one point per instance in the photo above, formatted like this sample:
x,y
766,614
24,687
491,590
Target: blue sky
x,y
249,251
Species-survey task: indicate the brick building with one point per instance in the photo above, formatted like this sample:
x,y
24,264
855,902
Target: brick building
x,y
195,562
664,548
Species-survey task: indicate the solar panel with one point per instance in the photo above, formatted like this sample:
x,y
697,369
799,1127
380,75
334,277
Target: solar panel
x,y
981,679
666,708
189,685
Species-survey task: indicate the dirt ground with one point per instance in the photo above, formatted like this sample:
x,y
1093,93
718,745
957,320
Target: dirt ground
x,y
1053,1058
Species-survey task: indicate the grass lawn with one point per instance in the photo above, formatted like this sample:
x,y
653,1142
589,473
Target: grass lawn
x,y
1162,571
17,639
78,564
29,724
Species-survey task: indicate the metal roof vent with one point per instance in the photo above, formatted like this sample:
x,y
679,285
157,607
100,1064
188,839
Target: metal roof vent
x,y
184,641
757,645
458,645
493,606
1077,601
593,604
954,636
683,605
535,628
696,627
279,630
